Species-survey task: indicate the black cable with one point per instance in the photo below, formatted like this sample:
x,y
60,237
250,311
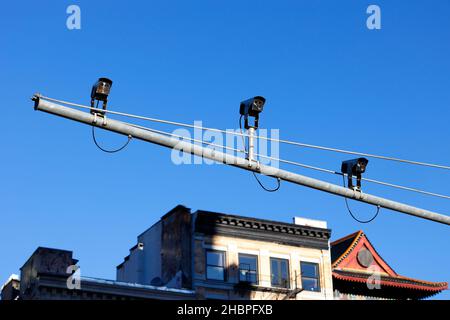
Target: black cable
x,y
266,189
350,211
254,174
105,150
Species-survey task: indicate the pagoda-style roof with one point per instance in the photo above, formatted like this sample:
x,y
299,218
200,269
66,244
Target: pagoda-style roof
x,y
358,269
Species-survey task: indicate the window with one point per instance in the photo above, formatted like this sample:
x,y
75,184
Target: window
x,y
215,265
310,276
279,270
248,268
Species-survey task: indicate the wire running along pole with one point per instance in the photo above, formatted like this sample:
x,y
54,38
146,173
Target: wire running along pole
x,y
302,165
173,143
299,144
243,151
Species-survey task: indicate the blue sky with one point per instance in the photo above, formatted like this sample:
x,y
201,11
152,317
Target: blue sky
x,y
328,80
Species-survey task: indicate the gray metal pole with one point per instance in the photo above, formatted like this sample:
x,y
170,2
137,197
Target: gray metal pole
x,y
251,145
174,143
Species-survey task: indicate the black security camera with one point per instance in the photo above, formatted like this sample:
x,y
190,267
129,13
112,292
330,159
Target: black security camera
x,y
100,91
252,108
354,167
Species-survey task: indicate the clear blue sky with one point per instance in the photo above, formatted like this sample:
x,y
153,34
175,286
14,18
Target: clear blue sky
x,y
317,64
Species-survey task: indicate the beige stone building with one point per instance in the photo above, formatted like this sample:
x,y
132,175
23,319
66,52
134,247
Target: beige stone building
x,y
222,256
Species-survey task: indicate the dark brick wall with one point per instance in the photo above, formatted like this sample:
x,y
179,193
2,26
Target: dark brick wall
x,y
176,245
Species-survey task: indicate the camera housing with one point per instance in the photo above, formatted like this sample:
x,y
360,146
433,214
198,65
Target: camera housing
x,y
252,108
100,91
355,167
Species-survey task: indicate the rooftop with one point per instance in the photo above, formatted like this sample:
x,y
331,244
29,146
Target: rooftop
x,y
356,264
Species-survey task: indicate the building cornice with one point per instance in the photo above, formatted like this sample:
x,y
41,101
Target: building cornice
x,y
212,223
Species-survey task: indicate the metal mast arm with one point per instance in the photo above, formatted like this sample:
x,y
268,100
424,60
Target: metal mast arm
x,y
174,143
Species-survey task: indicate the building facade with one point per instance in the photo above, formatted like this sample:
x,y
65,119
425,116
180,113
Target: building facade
x,y
49,275
222,256
10,290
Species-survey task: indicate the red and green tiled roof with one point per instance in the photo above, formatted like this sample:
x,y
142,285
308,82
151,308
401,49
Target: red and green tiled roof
x,y
352,277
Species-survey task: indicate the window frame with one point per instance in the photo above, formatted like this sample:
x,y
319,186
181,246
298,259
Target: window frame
x,y
224,267
302,277
288,280
256,282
